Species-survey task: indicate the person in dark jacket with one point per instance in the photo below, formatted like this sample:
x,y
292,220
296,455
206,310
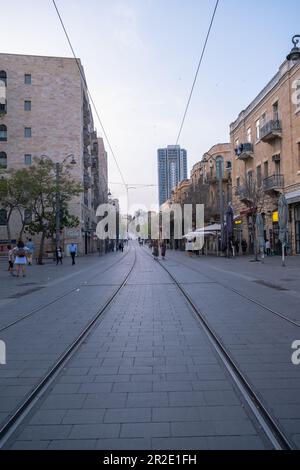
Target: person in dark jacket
x,y
163,249
244,246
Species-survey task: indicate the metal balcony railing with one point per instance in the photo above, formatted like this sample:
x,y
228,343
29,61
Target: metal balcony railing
x,y
271,130
273,182
244,151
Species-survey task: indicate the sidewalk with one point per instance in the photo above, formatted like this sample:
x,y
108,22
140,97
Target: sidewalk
x,y
43,275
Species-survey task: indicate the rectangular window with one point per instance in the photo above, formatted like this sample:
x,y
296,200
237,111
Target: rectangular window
x,y
258,176
27,132
27,79
263,119
27,105
257,125
249,135
28,159
27,216
238,182
276,111
266,169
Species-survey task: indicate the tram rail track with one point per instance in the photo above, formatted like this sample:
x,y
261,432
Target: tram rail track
x,y
19,414
265,421
235,291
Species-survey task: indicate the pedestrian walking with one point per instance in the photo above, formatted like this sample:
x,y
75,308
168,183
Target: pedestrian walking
x,y
121,246
268,247
73,252
30,246
155,250
20,253
244,246
237,247
163,250
11,259
59,256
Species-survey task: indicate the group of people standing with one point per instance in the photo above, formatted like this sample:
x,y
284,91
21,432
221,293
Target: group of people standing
x,y
19,256
156,246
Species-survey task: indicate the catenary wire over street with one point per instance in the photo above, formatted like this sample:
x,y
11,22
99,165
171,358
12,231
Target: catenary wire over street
x,y
89,94
197,71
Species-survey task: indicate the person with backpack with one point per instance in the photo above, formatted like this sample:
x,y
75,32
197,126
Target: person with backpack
x,y
20,253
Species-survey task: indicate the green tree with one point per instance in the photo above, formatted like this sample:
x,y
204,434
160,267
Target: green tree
x,y
14,195
44,191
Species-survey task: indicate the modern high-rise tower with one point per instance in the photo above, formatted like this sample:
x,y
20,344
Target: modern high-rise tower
x,y
172,169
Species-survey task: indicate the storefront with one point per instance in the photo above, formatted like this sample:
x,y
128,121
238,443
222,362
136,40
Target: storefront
x,y
293,200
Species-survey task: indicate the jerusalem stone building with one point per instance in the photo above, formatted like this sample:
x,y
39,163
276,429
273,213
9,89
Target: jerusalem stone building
x,y
46,111
265,141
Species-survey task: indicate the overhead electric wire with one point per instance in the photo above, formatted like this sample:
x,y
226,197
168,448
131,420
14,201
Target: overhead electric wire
x,y
89,93
197,71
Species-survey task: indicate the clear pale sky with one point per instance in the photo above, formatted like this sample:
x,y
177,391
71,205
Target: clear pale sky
x,y
140,57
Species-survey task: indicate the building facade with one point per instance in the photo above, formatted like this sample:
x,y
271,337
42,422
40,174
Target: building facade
x,y
205,181
172,169
265,140
46,111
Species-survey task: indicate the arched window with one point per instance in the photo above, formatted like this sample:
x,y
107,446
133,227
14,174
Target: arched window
x,y
3,160
3,77
3,217
3,133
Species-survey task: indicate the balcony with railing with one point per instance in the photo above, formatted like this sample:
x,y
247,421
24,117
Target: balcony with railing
x,y
87,160
87,180
271,130
273,183
244,151
242,193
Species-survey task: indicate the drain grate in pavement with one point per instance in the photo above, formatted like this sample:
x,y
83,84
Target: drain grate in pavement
x,y
26,292
270,285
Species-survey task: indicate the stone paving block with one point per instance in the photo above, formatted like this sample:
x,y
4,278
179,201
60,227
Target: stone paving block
x,y
220,397
186,398
147,377
105,400
112,378
128,415
94,431
63,402
132,387
145,430
84,416
148,399
235,443
65,389
167,386
192,413
98,387
44,432
124,444
180,443
44,417
80,444
27,445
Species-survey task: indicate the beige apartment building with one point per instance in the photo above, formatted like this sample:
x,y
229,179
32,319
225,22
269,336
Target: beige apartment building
x,y
206,184
265,141
46,111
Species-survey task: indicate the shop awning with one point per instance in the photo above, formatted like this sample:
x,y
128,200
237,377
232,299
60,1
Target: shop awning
x,y
293,197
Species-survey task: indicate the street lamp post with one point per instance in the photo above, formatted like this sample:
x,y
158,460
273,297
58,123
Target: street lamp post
x,y
58,167
219,170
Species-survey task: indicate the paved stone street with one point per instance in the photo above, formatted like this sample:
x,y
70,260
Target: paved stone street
x,y
147,377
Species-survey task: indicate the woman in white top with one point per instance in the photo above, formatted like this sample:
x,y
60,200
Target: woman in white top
x,y
20,253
